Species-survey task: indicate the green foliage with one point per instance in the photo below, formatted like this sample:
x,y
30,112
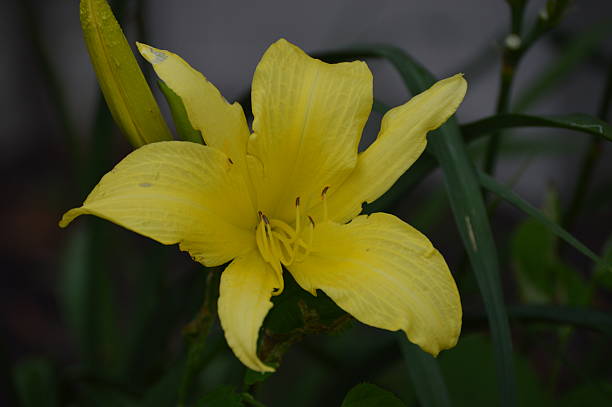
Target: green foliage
x,y
36,383
138,356
369,395
425,375
578,122
467,372
602,272
224,396
542,276
179,115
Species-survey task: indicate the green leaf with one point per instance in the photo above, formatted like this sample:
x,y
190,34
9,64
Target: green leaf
x,y
425,375
369,395
593,394
224,396
36,383
467,372
405,184
578,122
575,51
164,392
467,203
295,313
503,192
125,89
570,315
543,277
602,274
100,396
251,377
179,115
532,248
87,298
198,354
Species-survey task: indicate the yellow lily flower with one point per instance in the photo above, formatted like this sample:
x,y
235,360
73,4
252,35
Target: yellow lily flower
x,y
289,194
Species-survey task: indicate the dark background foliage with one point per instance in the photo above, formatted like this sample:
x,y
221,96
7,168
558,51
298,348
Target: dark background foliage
x,y
114,343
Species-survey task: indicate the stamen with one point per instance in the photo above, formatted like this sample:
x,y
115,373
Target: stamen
x,y
281,244
262,242
298,221
324,198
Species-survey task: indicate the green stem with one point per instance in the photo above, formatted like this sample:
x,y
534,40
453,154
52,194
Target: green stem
x,y
510,59
589,159
197,331
509,65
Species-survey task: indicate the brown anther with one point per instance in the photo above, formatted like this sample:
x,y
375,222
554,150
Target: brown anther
x,y
311,220
265,219
230,160
259,215
297,201
324,192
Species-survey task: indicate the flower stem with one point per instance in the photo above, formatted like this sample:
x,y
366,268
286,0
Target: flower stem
x,y
589,159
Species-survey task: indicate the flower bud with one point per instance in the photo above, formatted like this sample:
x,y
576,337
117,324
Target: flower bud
x,y
125,89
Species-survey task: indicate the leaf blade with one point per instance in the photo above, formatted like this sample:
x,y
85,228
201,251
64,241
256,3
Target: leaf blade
x,y
425,375
492,185
579,122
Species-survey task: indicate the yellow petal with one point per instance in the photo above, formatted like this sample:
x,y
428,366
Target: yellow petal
x,y
125,89
223,125
401,140
309,116
244,300
386,274
177,192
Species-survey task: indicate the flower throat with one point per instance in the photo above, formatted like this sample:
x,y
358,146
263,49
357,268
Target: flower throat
x,y
280,243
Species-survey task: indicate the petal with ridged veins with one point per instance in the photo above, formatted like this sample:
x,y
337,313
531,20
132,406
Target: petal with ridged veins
x,y
177,192
401,140
386,274
308,119
244,300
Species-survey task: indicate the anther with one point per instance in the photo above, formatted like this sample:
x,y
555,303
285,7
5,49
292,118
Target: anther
x,y
324,198
297,218
265,219
311,220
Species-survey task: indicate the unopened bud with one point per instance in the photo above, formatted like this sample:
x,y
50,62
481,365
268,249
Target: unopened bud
x,y
125,89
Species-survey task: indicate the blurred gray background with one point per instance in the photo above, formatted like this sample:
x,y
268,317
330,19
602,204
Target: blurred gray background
x,y
225,39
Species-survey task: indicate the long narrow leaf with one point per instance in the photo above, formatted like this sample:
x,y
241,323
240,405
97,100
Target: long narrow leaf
x,y
579,122
468,208
556,314
426,376
506,194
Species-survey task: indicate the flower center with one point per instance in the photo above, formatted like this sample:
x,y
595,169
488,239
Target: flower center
x,y
281,243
